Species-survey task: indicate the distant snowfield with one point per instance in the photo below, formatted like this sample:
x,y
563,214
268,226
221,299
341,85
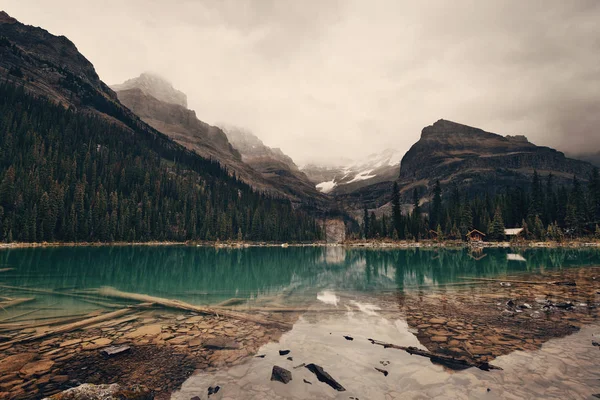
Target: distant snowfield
x,y
362,170
362,176
326,187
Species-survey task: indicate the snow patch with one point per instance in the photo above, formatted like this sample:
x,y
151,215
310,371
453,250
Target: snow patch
x,y
362,176
326,187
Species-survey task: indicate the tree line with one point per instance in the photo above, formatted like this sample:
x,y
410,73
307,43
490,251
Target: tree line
x,y
68,175
544,211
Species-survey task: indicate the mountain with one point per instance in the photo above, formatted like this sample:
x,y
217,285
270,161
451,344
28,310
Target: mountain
x,y
52,66
477,161
157,103
470,159
375,169
181,124
592,158
155,86
77,165
273,164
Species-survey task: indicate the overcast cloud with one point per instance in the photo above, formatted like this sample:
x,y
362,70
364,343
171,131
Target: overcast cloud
x,y
330,79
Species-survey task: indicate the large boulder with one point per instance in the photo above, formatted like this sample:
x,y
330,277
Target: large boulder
x,y
115,391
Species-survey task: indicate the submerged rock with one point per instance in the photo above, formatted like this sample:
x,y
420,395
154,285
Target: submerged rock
x,y
281,374
348,338
213,390
323,376
87,391
114,350
284,352
220,343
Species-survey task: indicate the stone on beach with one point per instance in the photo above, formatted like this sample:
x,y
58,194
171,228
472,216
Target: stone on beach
x,y
88,391
323,376
280,374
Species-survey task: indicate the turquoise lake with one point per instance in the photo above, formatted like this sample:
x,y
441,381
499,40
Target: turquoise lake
x,y
205,275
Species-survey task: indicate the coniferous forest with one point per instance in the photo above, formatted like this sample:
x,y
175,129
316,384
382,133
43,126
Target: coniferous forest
x,y
545,211
74,176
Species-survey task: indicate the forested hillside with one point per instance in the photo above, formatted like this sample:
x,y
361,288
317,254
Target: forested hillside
x,y
73,176
545,210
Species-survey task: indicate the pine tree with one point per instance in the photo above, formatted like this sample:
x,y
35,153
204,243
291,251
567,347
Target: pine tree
x,y
538,228
366,226
594,189
396,212
436,208
466,220
497,227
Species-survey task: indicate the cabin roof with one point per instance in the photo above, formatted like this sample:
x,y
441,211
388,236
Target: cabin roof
x,y
475,231
513,231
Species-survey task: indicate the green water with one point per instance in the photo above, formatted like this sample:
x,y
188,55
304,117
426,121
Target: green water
x,y
205,275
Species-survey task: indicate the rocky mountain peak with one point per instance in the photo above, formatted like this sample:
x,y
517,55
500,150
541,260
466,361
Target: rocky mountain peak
x,y
6,19
444,128
480,161
156,86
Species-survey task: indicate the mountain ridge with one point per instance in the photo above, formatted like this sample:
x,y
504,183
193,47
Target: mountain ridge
x,y
273,172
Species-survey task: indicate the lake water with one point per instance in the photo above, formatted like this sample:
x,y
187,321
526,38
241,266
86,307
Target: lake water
x,y
205,275
350,280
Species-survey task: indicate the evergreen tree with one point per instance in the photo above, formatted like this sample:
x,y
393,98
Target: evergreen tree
x,y
594,189
366,227
68,175
466,220
436,213
396,212
497,226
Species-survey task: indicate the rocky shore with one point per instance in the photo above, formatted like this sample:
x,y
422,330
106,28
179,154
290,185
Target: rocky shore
x,y
485,318
154,348
378,244
153,345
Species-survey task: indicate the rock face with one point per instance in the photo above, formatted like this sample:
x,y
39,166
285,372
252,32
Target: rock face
x,y
592,158
273,164
471,159
182,125
155,86
477,161
51,66
157,103
335,230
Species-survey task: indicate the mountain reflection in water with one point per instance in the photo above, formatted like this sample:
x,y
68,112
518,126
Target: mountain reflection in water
x,y
209,275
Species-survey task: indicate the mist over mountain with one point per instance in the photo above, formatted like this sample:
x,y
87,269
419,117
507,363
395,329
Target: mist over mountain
x,y
343,79
99,172
155,86
158,103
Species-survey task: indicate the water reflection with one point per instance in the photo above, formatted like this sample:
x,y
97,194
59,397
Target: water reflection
x,y
205,275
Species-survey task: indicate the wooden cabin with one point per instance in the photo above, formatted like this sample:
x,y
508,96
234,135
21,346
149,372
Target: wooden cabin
x,y
433,235
513,233
475,236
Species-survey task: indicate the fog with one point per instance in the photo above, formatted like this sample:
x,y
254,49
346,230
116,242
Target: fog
x,y
326,80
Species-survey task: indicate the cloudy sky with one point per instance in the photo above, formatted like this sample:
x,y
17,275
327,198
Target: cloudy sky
x,y
327,79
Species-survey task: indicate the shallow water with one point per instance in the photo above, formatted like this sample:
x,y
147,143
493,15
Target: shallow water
x,y
204,275
341,289
564,368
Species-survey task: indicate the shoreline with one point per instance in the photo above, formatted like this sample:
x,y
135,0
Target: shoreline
x,y
348,244
164,343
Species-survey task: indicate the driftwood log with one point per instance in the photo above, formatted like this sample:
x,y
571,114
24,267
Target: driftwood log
x,y
15,302
180,305
558,283
70,327
448,361
52,292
